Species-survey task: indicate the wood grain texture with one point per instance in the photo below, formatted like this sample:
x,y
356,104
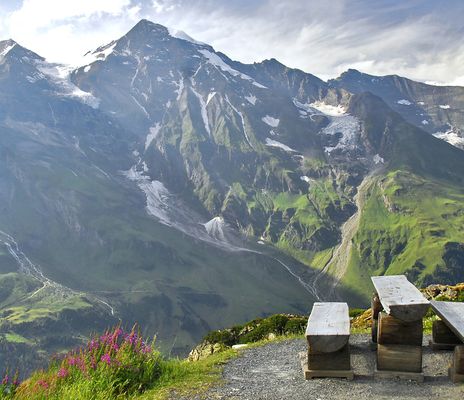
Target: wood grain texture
x,y
336,360
455,377
458,360
400,298
396,357
392,330
452,314
310,373
328,327
441,334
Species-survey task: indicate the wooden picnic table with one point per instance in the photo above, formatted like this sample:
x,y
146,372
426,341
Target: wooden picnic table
x,y
328,334
328,327
400,298
398,329
452,314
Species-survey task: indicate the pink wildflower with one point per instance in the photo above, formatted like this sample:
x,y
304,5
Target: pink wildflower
x,y
63,373
42,383
106,358
146,349
132,338
93,344
5,380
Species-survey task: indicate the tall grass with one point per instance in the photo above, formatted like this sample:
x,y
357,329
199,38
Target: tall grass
x,y
116,364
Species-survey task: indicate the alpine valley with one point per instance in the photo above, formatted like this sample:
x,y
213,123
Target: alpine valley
x,y
162,183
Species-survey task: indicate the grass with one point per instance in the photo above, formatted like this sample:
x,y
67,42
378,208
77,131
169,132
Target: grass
x,y
15,338
119,365
182,377
405,227
321,258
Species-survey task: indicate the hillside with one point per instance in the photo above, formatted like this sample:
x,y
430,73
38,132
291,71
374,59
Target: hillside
x,y
265,353
163,183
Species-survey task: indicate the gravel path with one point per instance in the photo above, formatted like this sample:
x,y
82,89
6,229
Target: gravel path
x,y
273,372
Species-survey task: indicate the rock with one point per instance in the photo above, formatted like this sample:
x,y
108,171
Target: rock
x,y
204,350
445,292
239,346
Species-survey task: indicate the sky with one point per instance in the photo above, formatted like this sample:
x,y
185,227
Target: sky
x,y
419,39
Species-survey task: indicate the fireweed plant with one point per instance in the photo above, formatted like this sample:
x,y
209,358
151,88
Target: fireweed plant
x,y
115,364
8,385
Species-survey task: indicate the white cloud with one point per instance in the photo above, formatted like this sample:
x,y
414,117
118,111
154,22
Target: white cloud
x,y
35,14
161,6
64,30
421,39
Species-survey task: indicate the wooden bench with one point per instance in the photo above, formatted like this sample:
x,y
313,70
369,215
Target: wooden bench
x,y
400,298
328,334
448,333
398,329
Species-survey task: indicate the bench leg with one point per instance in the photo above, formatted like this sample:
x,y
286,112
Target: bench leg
x,y
376,308
456,371
328,365
442,337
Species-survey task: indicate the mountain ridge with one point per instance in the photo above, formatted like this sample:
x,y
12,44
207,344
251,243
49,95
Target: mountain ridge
x,y
189,192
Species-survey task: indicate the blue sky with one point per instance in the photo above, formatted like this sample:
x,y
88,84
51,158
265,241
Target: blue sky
x,y
420,39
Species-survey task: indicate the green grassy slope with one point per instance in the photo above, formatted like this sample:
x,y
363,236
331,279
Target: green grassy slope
x,y
407,226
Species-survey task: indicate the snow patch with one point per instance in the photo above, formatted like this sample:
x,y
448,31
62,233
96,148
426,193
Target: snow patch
x,y
328,109
171,211
60,75
157,195
7,49
245,133
215,228
444,106
35,77
154,130
452,137
305,178
274,143
251,99
271,121
424,122
404,102
204,113
218,62
175,33
378,160
210,96
99,54
348,126
180,87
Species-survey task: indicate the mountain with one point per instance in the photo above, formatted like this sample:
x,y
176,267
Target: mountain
x,y
79,250
164,183
435,109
